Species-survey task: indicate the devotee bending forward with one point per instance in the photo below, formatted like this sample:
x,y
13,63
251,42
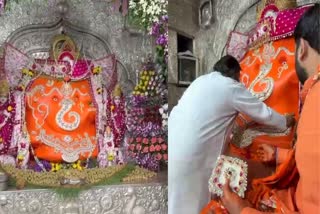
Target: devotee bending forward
x,y
198,126
302,196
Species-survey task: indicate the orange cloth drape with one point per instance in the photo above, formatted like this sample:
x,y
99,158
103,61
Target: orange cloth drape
x,y
279,56
42,108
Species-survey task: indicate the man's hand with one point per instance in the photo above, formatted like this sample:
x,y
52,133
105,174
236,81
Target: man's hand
x,y
231,201
291,121
266,153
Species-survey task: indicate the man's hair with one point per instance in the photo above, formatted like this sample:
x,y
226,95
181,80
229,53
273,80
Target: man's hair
x,y
308,28
228,66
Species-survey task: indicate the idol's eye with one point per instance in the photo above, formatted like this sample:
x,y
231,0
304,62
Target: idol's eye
x,y
90,104
55,98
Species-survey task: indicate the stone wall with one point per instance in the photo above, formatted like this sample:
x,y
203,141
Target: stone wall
x,y
183,19
209,45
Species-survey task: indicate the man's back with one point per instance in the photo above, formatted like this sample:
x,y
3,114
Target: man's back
x,y
203,114
206,99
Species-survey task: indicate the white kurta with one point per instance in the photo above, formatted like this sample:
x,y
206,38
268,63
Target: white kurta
x,y
197,129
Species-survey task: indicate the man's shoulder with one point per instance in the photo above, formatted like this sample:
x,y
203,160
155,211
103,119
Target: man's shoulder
x,y
311,104
314,93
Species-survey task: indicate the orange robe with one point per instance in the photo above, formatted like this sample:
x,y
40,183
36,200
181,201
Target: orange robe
x,y
305,198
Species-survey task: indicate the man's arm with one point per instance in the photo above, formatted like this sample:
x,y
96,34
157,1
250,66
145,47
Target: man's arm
x,y
244,102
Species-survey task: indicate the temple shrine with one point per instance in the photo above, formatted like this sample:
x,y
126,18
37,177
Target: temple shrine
x,y
82,109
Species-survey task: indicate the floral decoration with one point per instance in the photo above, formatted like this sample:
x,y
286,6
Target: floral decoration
x,y
145,12
159,31
7,119
146,135
164,114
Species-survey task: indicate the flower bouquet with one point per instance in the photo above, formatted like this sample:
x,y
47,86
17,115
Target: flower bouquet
x,y
233,169
146,134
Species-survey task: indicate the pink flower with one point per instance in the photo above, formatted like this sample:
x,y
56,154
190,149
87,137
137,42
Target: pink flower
x,y
165,156
130,140
145,149
159,156
158,148
153,140
145,140
160,140
152,149
132,154
132,146
164,147
139,147
139,139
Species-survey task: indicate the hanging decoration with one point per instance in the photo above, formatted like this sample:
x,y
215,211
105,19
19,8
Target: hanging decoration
x,y
159,31
272,26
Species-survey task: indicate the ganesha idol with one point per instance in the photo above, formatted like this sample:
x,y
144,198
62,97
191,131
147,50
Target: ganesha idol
x,y
267,59
65,107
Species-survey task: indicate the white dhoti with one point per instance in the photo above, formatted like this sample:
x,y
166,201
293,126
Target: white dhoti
x,y
197,129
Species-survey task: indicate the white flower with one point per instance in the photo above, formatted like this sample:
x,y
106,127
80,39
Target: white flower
x,y
148,11
164,123
165,106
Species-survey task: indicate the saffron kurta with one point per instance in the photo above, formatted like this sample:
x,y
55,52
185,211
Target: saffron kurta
x,y
306,197
197,129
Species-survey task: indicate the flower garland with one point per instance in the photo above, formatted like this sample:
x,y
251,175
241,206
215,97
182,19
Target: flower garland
x,y
164,114
145,12
159,31
7,113
54,167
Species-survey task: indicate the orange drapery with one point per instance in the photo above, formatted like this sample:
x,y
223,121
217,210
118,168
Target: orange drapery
x,y
42,108
285,92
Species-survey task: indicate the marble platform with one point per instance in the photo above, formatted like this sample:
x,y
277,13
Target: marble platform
x,y
129,198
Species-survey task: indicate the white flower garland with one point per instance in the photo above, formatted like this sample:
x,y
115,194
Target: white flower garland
x,y
164,114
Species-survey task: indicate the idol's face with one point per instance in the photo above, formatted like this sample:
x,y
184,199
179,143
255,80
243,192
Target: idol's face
x,y
117,100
